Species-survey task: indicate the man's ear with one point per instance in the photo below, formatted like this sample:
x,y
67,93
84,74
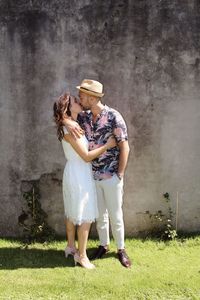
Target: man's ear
x,y
93,99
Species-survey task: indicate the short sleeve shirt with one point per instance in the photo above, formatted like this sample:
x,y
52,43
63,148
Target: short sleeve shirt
x,y
109,122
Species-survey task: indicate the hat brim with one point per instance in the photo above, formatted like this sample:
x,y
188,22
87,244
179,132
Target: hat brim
x,y
90,92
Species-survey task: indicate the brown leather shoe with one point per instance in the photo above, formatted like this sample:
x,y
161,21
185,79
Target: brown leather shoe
x,y
123,258
99,252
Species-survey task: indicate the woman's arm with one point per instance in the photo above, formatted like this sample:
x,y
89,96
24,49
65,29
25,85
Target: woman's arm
x,y
82,150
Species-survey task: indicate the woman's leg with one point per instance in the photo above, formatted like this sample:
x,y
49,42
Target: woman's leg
x,y
81,258
83,231
70,232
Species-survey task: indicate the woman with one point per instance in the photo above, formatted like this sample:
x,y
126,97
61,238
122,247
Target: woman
x,y
79,191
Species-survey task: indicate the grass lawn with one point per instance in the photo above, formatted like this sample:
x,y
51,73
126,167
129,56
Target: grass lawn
x,y
161,270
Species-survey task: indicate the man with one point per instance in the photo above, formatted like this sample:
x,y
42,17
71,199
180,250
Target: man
x,y
100,122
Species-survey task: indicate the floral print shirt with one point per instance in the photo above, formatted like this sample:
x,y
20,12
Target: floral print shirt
x,y
109,122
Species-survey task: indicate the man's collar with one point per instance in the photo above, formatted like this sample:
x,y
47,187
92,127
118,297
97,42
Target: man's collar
x,y
104,110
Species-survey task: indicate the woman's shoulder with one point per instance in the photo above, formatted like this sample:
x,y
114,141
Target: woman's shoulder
x,y
71,140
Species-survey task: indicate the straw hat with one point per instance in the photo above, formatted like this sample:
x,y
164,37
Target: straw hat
x,y
91,87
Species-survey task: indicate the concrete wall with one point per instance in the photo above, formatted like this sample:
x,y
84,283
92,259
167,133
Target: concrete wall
x,y
146,53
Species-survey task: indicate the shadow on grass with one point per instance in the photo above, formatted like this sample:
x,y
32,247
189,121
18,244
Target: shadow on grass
x,y
16,258
107,255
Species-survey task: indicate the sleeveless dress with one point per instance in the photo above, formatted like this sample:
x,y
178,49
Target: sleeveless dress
x,y
79,191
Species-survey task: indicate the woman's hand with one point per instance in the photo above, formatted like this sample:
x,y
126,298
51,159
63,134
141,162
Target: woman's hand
x,y
111,142
74,129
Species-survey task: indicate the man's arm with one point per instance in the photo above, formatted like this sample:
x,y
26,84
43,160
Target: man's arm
x,y
123,158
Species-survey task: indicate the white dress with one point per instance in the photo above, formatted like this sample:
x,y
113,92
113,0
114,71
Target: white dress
x,y
79,191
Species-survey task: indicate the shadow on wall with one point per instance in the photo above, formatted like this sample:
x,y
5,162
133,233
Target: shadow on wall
x,y
40,217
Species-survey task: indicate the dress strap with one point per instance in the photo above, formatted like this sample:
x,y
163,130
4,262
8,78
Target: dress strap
x,y
65,130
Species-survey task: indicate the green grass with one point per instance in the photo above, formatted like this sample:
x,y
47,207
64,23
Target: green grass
x,y
161,270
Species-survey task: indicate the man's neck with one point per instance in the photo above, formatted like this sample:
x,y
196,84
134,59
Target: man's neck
x,y
96,109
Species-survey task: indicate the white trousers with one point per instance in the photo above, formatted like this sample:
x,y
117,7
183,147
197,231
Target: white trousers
x,y
110,199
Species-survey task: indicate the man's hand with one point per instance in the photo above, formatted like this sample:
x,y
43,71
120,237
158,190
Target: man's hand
x,y
74,129
120,175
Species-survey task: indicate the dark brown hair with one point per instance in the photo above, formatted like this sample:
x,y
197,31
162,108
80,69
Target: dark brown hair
x,y
58,112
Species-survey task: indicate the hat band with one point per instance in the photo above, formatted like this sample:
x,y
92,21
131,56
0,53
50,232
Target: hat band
x,y
83,88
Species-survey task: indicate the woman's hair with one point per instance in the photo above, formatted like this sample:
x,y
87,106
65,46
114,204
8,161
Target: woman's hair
x,y
59,108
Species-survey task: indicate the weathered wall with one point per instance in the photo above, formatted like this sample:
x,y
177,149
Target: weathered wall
x,y
147,55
